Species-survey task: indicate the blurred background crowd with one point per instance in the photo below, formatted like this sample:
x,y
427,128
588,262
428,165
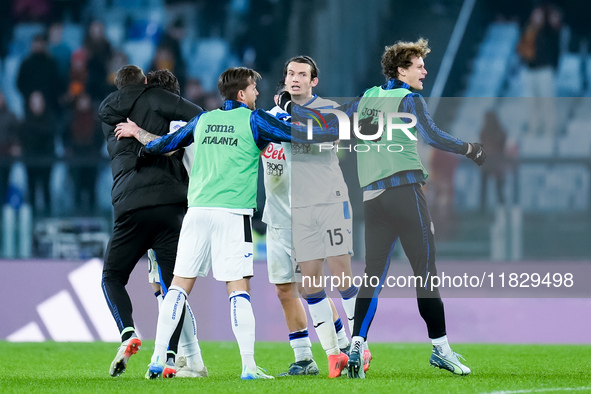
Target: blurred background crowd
x,y
514,75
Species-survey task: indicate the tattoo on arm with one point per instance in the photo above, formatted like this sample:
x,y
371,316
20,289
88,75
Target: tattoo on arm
x,y
144,137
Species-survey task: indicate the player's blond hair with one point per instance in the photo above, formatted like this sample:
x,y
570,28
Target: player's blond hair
x,y
400,55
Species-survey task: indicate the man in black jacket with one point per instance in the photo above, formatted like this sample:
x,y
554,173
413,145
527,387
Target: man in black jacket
x,y
149,201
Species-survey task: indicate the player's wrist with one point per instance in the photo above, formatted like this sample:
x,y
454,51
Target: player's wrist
x,y
469,149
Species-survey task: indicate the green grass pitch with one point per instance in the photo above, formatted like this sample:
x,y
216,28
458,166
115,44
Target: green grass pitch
x,y
50,367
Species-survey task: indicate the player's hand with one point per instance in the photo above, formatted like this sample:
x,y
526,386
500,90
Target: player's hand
x,y
284,101
126,129
477,153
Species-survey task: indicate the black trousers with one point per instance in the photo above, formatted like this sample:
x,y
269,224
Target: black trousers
x,y
135,232
399,212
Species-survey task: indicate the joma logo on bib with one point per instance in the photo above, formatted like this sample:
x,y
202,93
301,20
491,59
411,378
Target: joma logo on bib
x,y
219,128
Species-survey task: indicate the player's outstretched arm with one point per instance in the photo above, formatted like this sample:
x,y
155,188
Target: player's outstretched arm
x,y
131,130
160,145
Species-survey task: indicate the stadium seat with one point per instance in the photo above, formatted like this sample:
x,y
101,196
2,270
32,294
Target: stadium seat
x,y
22,37
492,61
575,145
14,99
532,146
569,80
139,53
211,58
73,35
115,32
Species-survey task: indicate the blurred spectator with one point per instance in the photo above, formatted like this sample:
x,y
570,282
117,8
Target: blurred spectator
x,y
98,55
6,26
211,21
509,10
67,10
39,72
168,52
265,32
9,144
213,101
83,143
494,138
78,74
37,136
59,49
440,192
31,10
577,18
195,93
118,60
539,48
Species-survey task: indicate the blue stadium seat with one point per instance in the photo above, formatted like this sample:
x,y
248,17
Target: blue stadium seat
x,y
73,35
575,145
139,53
569,80
210,59
23,34
537,146
14,99
115,32
493,60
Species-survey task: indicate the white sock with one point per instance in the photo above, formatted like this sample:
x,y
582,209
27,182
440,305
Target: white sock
x,y
358,342
442,345
341,334
168,318
301,345
348,299
321,314
188,343
159,298
243,326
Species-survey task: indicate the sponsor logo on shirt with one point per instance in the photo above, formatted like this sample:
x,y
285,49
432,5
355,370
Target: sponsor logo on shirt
x,y
299,149
219,128
274,154
274,169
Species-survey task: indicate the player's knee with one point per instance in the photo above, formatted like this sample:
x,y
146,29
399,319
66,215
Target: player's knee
x,y
112,278
284,291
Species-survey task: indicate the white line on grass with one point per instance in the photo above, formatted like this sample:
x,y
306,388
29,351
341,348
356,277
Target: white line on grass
x,y
546,390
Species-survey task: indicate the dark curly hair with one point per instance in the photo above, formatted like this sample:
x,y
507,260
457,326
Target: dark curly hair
x,y
164,79
400,55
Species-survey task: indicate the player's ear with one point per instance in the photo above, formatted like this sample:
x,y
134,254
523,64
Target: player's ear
x,y
241,95
314,82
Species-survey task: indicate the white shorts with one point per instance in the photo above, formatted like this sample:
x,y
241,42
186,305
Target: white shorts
x,y
216,239
280,266
321,231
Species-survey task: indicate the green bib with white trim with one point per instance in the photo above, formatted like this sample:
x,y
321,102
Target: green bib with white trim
x,y
385,157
